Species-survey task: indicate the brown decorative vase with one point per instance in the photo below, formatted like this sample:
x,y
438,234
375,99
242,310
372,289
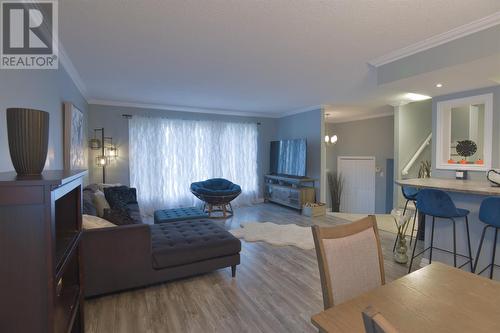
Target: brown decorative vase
x,y
28,133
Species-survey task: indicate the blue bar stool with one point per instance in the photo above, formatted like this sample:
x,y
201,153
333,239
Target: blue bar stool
x,y
489,213
410,194
438,204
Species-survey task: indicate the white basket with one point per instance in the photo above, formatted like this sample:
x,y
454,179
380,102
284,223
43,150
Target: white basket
x,y
314,211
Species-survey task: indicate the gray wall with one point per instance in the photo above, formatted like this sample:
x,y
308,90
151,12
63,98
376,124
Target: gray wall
x,y
305,125
115,126
415,124
38,89
412,125
496,130
370,137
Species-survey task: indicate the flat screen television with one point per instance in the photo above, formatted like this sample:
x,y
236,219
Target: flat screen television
x,y
288,157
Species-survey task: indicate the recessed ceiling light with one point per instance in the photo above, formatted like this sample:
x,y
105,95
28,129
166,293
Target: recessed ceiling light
x,y
416,97
439,85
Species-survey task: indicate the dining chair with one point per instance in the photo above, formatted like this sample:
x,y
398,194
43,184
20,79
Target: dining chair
x,y
375,322
349,258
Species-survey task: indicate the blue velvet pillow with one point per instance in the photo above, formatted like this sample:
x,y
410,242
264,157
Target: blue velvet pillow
x,y
119,197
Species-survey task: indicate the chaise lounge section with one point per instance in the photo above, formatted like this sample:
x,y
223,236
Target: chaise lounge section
x,y
138,255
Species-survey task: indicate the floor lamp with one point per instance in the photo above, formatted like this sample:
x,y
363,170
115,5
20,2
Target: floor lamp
x,y
108,150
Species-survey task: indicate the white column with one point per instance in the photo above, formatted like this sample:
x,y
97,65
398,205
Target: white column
x,y
322,185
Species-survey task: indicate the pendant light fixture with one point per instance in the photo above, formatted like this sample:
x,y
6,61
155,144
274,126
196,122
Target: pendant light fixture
x,y
330,140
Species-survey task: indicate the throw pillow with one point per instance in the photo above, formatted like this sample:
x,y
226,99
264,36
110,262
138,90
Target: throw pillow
x,y
94,222
100,203
118,216
88,203
134,212
92,187
102,186
120,196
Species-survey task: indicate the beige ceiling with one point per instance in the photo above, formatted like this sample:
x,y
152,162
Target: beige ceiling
x,y
267,56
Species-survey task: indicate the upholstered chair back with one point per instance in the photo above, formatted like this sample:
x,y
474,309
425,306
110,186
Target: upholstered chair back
x,y
490,211
350,260
436,203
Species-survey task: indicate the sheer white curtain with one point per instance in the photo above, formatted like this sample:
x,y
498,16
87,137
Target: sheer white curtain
x,y
167,155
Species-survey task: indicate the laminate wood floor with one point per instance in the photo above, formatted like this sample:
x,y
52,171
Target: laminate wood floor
x,y
276,289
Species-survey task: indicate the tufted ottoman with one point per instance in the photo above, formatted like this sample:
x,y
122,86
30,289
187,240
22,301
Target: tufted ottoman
x,y
178,214
186,242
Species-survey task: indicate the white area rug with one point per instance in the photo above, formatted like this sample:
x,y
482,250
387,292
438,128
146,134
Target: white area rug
x,y
276,234
384,221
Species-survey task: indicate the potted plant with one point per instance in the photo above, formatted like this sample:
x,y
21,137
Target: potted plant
x,y
425,169
336,185
466,148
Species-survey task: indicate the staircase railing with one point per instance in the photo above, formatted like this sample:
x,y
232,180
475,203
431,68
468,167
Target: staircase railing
x,y
417,154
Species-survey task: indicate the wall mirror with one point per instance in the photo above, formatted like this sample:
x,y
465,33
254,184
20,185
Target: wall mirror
x,y
464,132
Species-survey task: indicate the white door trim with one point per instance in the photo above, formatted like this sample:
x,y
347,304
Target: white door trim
x,y
361,158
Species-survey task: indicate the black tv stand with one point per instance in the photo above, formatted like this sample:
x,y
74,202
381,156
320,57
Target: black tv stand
x,y
291,191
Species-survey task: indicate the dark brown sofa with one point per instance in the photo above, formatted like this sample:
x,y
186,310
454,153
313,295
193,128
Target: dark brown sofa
x,y
137,255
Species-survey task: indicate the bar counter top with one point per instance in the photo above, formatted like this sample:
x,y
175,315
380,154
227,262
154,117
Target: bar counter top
x,y
453,185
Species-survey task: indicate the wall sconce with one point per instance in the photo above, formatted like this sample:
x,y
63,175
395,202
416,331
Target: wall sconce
x,y
330,140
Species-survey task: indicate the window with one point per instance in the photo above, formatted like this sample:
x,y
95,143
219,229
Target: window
x,y
167,155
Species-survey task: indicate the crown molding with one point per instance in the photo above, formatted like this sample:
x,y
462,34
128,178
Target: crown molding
x,y
179,108
456,33
71,70
360,117
182,108
301,110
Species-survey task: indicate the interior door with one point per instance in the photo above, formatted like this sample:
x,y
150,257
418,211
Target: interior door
x,y
359,184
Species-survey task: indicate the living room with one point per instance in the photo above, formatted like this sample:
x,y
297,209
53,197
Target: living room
x,y
276,166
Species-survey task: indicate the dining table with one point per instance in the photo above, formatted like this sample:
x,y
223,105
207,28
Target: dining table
x,y
435,298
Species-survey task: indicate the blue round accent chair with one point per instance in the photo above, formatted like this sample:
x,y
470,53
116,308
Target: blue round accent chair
x,y
217,194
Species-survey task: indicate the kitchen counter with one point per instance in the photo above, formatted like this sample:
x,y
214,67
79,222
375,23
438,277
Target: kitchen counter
x,y
467,194
453,185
